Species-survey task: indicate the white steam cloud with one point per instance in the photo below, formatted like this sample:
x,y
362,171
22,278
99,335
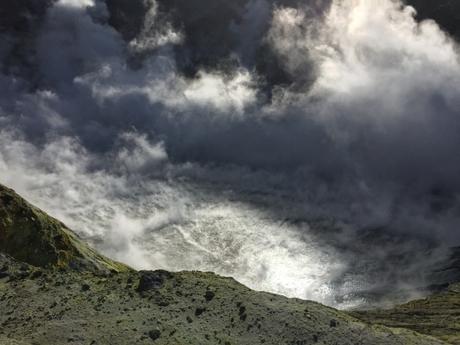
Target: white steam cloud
x,y
315,188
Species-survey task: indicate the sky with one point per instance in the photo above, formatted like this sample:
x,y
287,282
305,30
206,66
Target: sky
x,y
307,148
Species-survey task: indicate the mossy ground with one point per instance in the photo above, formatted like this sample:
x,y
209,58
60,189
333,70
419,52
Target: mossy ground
x,y
47,307
437,315
31,236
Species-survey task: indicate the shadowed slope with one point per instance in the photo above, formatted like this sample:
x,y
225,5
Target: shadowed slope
x,y
437,315
29,235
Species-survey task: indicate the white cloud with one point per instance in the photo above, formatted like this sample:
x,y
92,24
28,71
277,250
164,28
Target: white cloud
x,y
222,94
220,171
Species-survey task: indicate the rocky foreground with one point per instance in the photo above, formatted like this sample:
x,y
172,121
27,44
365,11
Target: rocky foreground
x,y
54,289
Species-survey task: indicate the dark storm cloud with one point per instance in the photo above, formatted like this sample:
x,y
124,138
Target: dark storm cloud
x,y
372,96
382,107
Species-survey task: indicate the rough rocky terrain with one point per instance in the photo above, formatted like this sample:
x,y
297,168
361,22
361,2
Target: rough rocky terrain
x,y
98,301
437,315
31,236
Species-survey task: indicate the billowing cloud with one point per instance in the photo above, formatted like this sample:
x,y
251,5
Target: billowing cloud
x,y
316,132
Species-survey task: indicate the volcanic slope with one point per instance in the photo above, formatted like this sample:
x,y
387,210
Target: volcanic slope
x,y
54,289
437,315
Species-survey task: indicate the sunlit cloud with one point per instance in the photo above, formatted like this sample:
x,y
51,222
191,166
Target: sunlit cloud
x,y
278,163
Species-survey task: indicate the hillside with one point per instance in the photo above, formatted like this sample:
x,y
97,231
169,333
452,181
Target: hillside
x,y
33,237
53,301
437,315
